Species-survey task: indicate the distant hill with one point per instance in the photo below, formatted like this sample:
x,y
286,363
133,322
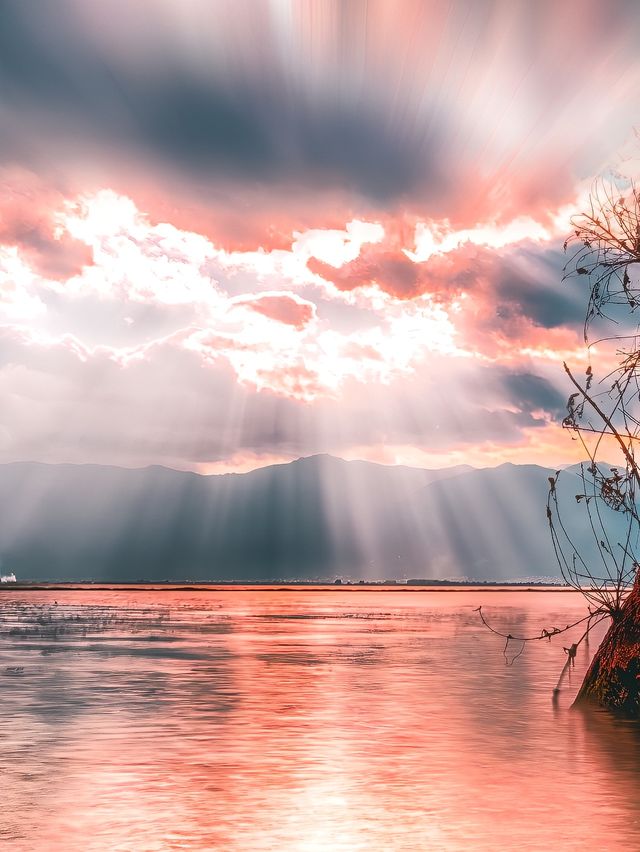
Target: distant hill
x,y
314,518
492,524
486,524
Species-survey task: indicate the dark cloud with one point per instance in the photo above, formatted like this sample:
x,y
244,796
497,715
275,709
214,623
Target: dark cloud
x,y
530,283
60,80
231,92
532,393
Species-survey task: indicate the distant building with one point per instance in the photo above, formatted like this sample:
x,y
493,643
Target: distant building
x,y
7,578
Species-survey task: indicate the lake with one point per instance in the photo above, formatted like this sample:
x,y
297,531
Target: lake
x,y
339,719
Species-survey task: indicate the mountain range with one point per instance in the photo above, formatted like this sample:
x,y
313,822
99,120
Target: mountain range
x,y
316,518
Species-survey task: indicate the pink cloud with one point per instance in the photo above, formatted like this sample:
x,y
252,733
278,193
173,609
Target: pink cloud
x,y
29,211
359,351
444,276
392,272
235,217
282,307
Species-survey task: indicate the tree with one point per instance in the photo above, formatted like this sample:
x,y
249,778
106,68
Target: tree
x,y
603,414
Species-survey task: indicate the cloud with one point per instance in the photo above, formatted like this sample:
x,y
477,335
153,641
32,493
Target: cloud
x,y
534,393
65,402
266,334
30,219
149,96
261,230
168,348
530,282
504,292
392,271
286,308
256,120
18,302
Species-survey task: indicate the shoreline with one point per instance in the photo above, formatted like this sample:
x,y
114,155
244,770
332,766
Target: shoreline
x,y
283,587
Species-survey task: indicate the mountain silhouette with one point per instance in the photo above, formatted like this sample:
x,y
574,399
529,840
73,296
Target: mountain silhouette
x,y
314,518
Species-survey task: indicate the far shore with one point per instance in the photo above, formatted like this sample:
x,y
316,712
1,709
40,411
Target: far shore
x,y
424,586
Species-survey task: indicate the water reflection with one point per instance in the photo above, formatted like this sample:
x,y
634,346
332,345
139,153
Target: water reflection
x,y
334,721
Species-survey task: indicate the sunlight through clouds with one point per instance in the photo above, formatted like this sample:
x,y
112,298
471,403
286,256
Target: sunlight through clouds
x,y
264,215
271,318
273,339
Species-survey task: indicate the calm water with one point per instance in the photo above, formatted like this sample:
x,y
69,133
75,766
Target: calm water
x,y
301,720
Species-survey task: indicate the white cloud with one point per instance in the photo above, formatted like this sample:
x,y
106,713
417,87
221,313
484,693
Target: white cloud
x,y
18,299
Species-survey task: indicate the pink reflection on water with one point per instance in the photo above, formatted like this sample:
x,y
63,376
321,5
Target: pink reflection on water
x,y
264,720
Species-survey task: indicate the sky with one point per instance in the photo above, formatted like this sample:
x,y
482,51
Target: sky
x,y
236,233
